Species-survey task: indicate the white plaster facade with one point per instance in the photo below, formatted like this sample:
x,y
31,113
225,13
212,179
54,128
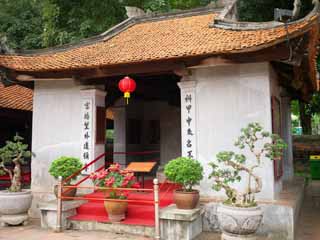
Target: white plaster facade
x,y
224,100
227,99
57,130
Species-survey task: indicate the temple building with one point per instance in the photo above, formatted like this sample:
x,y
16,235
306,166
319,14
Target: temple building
x,y
201,76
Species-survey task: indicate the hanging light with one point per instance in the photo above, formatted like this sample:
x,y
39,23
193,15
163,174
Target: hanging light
x,y
127,85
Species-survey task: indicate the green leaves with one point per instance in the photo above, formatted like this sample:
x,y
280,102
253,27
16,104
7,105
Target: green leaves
x,y
13,152
184,171
229,165
14,149
65,166
32,24
263,10
166,5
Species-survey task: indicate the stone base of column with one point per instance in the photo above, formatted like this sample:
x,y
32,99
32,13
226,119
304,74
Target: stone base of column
x,y
49,213
177,224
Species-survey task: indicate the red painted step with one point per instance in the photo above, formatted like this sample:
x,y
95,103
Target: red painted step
x,y
137,214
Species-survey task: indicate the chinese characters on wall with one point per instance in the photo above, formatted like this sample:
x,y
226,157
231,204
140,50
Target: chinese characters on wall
x,y
189,143
87,136
188,119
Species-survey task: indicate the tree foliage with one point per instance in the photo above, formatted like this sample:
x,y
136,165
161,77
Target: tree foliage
x,y
263,10
14,152
166,5
229,165
32,24
21,24
72,20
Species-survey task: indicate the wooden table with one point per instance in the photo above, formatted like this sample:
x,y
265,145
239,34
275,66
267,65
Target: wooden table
x,y
141,167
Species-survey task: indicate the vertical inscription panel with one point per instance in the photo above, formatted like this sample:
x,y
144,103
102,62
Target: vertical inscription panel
x,y
87,132
188,119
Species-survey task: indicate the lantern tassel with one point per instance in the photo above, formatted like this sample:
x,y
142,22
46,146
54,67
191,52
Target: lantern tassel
x,y
127,96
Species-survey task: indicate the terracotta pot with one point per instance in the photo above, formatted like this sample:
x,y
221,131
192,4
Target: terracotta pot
x,y
70,193
106,192
236,221
186,200
116,210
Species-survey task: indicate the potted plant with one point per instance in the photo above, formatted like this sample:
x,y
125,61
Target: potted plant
x,y
240,214
188,173
65,167
15,202
114,177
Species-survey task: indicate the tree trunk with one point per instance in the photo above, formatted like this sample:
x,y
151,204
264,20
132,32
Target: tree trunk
x,y
16,180
305,119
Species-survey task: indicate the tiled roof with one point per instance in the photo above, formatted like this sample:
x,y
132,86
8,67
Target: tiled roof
x,y
16,97
157,40
21,98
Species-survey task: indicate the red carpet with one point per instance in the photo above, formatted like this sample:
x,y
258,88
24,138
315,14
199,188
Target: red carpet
x,y
137,214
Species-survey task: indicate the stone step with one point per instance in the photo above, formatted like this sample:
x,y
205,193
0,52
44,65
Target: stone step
x,y
119,228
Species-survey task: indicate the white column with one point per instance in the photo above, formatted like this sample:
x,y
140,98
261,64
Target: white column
x,y
188,119
287,136
90,148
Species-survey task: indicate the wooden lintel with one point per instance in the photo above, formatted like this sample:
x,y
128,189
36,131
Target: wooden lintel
x,y
214,61
28,78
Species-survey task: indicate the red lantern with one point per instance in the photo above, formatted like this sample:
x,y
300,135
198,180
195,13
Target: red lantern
x,y
127,85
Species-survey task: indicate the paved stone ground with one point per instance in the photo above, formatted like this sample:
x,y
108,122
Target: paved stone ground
x,y
34,232
309,220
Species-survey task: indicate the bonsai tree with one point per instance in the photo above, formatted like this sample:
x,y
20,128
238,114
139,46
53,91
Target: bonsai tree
x,y
13,152
226,171
184,171
65,167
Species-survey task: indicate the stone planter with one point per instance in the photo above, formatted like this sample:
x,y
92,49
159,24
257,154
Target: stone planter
x,y
14,207
116,210
186,200
239,223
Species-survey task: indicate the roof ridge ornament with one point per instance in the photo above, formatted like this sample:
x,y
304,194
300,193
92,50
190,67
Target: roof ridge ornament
x,y
226,19
285,15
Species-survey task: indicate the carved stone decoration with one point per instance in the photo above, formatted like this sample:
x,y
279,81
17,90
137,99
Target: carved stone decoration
x,y
239,223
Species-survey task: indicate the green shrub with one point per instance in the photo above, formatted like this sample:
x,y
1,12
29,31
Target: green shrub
x,y
184,171
65,166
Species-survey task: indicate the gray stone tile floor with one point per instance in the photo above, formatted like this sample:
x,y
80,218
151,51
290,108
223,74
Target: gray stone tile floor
x,y
308,226
309,220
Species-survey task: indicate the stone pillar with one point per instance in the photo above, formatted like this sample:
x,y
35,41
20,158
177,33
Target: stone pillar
x,y
287,136
120,135
91,100
188,118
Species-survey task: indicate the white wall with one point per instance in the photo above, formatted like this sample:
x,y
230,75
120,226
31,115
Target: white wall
x,y
57,129
227,99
